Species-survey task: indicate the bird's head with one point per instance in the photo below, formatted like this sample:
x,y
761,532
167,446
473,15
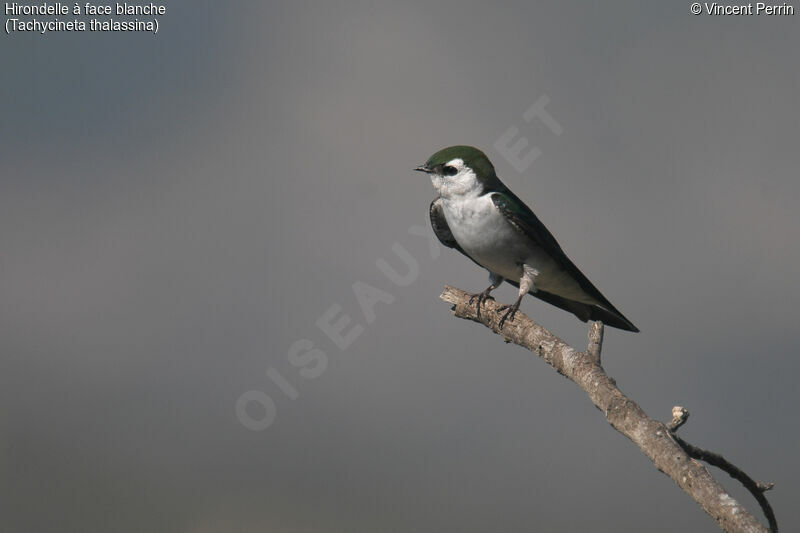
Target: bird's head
x,y
459,170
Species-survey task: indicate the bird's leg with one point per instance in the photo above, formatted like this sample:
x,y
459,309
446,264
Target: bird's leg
x,y
482,296
525,285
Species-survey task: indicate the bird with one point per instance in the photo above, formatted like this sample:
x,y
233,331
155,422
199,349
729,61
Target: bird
x,y
477,215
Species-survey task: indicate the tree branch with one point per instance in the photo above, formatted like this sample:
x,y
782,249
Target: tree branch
x,y
654,438
754,487
595,341
679,417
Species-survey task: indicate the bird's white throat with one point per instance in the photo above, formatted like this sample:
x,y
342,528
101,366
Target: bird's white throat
x,y
464,183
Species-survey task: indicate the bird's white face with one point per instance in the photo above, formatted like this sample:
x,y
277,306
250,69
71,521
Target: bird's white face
x,y
456,180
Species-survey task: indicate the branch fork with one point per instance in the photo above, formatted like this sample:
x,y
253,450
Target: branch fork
x,y
756,488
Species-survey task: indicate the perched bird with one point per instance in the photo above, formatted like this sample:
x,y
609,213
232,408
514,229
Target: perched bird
x,y
476,214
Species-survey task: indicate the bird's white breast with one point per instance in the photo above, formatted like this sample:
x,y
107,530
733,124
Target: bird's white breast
x,y
487,236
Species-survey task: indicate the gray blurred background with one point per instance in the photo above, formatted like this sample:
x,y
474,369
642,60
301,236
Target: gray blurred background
x,y
177,210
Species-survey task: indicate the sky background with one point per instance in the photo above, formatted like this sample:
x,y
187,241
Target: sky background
x,y
176,210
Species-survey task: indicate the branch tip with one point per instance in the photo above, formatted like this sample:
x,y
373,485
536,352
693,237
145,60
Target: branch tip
x,y
595,340
679,417
764,487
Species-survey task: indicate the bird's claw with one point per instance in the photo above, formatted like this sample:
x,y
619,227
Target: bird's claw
x,y
509,314
481,297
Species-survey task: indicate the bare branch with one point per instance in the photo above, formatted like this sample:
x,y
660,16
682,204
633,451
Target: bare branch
x,y
651,436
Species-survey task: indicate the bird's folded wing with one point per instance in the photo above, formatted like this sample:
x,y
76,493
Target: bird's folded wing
x,y
522,218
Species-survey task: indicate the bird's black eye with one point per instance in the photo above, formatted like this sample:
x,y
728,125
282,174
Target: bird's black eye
x,y
449,171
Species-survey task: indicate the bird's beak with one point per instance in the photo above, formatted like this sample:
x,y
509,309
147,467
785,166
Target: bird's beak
x,y
423,168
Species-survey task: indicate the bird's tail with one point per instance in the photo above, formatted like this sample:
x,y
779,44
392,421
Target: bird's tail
x,y
607,314
609,317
